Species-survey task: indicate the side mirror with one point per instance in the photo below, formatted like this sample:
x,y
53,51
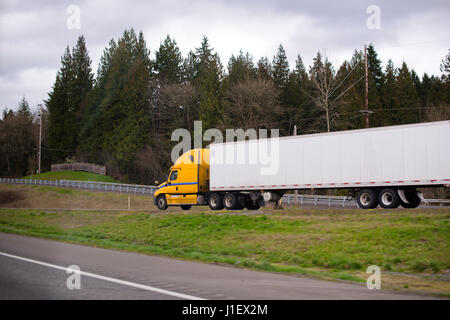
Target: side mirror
x,y
156,182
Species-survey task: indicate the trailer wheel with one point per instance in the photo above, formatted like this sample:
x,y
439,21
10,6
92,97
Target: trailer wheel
x,y
413,199
186,206
389,198
161,202
367,199
215,201
231,201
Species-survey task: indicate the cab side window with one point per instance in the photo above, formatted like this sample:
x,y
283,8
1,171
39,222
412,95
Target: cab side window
x,y
174,175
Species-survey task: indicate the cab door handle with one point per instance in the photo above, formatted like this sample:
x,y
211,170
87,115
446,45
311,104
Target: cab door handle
x,y
176,188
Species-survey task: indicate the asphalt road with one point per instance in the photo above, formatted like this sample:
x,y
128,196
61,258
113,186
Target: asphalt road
x,y
33,268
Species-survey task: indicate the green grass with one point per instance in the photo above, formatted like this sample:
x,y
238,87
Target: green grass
x,y
71,175
336,244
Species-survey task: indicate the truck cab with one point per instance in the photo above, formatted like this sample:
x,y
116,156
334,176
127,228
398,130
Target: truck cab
x,y
187,183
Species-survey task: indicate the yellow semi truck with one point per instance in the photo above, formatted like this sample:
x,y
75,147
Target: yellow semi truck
x,y
188,185
381,166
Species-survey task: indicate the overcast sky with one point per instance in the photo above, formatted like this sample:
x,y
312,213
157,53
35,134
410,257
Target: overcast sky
x,y
33,34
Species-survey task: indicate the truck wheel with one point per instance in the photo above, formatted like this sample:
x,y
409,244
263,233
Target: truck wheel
x,y
186,206
161,202
389,198
230,201
215,201
413,199
367,199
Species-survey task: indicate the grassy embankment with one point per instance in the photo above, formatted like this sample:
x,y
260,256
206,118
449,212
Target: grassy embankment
x,y
410,246
71,175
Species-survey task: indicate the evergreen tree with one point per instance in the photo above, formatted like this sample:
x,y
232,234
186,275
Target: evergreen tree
x,y
280,74
168,62
81,86
208,81
67,102
280,69
121,121
407,97
297,99
24,110
240,68
390,90
445,65
60,109
264,69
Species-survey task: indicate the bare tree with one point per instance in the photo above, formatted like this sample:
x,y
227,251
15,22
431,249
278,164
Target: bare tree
x,y
324,83
252,104
437,113
327,90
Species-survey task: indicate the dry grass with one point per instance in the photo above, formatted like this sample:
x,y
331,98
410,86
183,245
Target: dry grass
x,y
21,196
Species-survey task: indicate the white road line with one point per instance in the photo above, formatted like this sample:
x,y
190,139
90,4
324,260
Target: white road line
x,y
118,281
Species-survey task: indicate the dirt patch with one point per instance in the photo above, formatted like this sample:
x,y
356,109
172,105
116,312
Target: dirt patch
x,y
8,197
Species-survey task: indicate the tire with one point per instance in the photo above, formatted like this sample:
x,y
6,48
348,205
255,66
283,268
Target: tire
x,y
186,206
215,201
161,202
389,199
367,198
413,199
231,201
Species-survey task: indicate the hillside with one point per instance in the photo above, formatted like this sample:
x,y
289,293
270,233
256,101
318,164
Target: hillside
x,y
71,175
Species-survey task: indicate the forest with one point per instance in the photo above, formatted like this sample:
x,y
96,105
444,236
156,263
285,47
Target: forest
x,y
122,116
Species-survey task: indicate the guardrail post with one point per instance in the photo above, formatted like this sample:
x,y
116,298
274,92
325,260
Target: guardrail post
x,y
315,201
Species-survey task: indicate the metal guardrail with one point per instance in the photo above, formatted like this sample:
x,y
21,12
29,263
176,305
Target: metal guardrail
x,y
315,200
343,201
87,185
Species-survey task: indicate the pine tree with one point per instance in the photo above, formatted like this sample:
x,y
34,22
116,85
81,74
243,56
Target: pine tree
x,y
280,73
67,102
168,62
445,65
264,69
407,97
121,122
390,91
240,68
82,84
280,69
208,81
60,106
24,110
298,96
375,73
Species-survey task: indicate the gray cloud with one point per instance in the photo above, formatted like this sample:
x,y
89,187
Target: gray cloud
x,y
33,34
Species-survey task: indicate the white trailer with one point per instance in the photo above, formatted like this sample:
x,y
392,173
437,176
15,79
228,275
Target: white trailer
x,y
384,165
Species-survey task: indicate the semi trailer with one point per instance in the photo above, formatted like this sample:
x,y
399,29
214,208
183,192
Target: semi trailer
x,y
379,166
